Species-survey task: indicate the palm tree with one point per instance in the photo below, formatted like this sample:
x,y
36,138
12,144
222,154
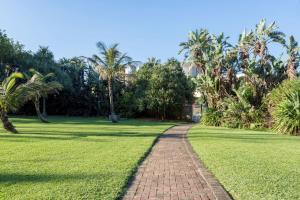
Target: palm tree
x,y
111,65
293,57
197,48
265,34
44,87
45,63
245,43
13,94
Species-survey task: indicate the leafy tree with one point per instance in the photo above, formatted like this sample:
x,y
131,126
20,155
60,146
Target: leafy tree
x,y
169,89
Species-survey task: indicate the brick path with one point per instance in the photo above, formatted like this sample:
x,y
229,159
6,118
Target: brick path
x,y
172,171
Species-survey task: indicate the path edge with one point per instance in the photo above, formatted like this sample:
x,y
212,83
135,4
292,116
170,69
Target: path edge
x,y
133,172
216,187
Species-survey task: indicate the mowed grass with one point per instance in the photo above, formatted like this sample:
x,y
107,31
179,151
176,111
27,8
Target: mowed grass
x,y
250,164
72,158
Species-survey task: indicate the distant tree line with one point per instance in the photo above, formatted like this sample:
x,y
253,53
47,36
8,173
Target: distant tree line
x,y
90,86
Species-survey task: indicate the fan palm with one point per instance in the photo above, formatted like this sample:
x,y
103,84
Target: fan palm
x,y
293,57
111,65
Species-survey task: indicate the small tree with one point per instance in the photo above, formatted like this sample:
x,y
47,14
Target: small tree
x,y
44,87
13,94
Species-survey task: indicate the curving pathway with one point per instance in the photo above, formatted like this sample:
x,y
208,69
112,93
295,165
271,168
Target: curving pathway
x,y
172,171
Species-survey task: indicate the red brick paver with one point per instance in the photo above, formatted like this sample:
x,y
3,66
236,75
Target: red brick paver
x,y
172,172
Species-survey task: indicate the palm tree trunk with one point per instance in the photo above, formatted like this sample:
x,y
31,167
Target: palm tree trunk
x,y
291,70
111,101
7,125
38,112
44,107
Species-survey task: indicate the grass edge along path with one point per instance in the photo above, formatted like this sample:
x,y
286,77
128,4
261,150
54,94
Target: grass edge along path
x,y
250,164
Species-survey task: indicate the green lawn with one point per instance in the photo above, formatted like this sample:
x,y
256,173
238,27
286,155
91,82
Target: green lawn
x,y
250,164
72,158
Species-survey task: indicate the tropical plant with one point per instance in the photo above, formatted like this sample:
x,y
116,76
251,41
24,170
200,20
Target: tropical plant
x,y
293,57
239,112
13,94
264,35
196,49
44,86
283,106
111,65
211,117
287,114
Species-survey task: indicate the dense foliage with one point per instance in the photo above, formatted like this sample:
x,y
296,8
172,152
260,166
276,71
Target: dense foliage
x,y
98,85
163,89
283,104
234,80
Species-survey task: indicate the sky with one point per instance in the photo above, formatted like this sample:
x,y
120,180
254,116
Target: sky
x,y
143,28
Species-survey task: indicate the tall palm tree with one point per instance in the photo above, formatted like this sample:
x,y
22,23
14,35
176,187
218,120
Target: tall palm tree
x,y
44,87
293,57
13,93
110,64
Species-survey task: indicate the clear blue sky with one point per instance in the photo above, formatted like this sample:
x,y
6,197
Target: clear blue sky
x,y
144,28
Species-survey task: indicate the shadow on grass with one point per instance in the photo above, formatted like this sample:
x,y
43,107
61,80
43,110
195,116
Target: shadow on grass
x,y
88,121
67,135
15,178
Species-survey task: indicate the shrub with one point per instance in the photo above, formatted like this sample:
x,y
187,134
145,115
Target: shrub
x,y
278,94
287,114
240,114
284,107
211,117
239,111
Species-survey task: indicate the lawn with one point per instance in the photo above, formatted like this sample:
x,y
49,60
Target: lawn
x,y
72,158
250,164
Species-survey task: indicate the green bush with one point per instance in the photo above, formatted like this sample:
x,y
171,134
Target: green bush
x,y
284,107
211,117
240,114
239,111
287,114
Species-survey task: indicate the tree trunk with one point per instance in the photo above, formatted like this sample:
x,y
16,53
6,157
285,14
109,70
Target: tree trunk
x,y
44,107
38,112
111,101
7,125
291,69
